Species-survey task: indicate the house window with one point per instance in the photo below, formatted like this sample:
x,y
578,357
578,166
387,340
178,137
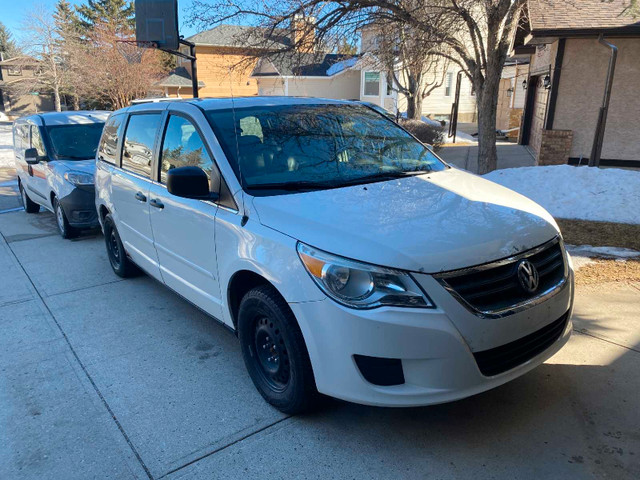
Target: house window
x,y
371,84
448,84
14,70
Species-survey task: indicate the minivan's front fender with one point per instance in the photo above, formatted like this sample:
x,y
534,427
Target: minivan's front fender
x,y
264,251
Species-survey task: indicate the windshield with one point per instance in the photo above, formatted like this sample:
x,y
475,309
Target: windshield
x,y
280,149
75,142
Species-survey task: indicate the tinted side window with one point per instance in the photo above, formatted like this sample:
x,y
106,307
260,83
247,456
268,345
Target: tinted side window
x,y
108,149
137,153
182,146
36,140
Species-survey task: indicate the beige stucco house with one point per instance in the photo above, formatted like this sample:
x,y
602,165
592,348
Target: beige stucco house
x,y
18,96
567,79
327,75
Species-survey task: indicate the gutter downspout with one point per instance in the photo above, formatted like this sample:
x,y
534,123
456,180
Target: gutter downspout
x,y
596,149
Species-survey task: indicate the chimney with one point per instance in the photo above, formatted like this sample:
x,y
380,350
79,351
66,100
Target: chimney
x,y
303,34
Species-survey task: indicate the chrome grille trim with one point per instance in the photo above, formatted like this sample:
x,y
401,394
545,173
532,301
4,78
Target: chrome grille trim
x,y
519,306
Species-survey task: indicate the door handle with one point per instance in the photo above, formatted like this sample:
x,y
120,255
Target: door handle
x,y
140,196
156,203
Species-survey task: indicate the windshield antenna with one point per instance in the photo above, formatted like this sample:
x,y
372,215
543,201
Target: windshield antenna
x,y
245,217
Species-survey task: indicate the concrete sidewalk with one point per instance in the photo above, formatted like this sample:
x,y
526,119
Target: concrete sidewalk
x,y
510,155
108,378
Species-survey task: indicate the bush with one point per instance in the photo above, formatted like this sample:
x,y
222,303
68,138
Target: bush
x,y
424,132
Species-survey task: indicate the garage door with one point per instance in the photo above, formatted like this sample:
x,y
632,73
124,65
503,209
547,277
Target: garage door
x,y
539,110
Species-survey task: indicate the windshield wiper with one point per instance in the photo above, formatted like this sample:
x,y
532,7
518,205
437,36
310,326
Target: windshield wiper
x,y
290,186
381,176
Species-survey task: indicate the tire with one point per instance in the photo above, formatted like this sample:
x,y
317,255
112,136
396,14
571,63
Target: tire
x,y
29,205
122,266
274,351
66,230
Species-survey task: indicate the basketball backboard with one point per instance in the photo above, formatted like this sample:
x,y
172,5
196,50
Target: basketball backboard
x,y
157,22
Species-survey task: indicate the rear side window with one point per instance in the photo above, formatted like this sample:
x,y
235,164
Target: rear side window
x,y
108,149
137,153
36,140
182,146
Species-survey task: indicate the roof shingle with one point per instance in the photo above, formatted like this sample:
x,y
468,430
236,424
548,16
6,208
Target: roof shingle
x,y
241,36
582,15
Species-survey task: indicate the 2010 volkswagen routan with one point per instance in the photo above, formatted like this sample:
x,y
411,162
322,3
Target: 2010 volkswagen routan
x,y
350,260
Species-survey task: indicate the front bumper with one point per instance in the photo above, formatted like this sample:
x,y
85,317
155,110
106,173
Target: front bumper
x,y
436,346
80,207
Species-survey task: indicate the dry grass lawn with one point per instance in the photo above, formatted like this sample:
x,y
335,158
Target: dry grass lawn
x,y
582,232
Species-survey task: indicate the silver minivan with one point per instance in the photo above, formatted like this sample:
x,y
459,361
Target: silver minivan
x,y
55,160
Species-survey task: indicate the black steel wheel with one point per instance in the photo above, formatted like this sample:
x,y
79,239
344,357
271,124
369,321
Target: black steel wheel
x,y
122,266
271,353
274,351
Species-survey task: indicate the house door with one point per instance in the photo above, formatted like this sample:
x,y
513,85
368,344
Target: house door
x,y
538,113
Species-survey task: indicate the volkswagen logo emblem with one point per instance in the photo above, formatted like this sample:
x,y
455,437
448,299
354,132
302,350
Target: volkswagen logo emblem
x,y
528,276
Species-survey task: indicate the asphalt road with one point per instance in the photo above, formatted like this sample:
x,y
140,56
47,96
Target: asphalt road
x,y
108,378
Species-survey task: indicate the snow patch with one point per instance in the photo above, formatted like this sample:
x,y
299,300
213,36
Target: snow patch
x,y
582,193
341,66
6,146
583,255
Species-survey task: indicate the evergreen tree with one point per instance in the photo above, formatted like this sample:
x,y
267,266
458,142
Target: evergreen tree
x,y
119,13
8,46
68,41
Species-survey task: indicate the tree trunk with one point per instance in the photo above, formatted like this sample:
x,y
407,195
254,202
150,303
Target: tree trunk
x,y
487,101
56,98
76,102
414,107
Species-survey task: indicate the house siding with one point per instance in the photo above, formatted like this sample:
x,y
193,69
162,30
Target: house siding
x,y
582,83
344,86
437,104
224,71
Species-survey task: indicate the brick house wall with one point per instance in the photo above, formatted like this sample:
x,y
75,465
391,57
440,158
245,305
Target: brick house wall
x,y
555,147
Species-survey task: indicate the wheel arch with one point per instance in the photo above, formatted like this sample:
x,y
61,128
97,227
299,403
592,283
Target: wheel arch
x,y
239,284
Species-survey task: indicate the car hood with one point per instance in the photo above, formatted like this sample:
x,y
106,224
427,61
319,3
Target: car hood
x,y
84,166
429,223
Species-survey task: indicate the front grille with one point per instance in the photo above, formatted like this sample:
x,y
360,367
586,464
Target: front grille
x,y
500,359
495,287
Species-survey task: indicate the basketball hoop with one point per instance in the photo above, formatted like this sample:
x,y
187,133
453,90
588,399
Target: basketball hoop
x,y
132,50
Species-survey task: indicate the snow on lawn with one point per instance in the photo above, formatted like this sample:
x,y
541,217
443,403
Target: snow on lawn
x,y
6,146
583,193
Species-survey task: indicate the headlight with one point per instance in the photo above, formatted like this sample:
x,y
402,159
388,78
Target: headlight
x,y
359,285
79,178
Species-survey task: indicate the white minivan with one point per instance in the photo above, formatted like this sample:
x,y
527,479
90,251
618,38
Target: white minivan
x,y
350,260
55,160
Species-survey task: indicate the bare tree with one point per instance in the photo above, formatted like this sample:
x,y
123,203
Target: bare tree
x,y
42,43
476,34
113,69
413,61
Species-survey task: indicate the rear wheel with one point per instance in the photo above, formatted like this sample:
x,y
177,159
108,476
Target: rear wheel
x,y
66,230
122,266
29,206
274,351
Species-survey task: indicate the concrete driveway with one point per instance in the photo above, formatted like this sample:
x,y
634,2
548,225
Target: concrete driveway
x,y
108,378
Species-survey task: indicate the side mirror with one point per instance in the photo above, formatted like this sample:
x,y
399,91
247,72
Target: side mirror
x,y
189,182
31,156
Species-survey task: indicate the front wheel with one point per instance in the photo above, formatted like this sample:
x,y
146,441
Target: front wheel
x,y
66,230
274,351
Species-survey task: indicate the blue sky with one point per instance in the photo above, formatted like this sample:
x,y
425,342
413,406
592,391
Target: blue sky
x,y
13,12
